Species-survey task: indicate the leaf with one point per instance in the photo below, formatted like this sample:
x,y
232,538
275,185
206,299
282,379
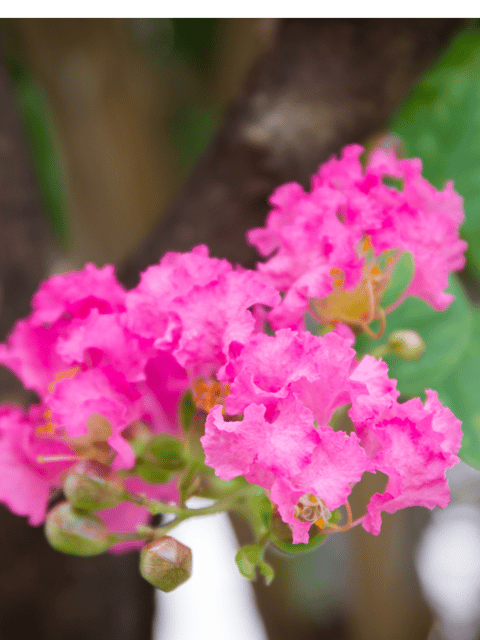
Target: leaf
x,y
460,391
247,559
440,122
446,334
267,571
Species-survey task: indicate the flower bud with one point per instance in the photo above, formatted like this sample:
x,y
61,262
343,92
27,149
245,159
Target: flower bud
x,y
406,344
91,485
166,563
76,533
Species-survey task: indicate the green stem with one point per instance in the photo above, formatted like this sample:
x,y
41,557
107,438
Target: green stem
x,y
381,351
153,506
184,514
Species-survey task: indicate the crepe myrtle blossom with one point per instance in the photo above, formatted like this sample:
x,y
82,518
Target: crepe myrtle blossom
x,y
95,379
274,430
103,359
200,309
121,376
332,250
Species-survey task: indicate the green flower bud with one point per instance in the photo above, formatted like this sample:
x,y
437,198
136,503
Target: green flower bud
x,y
76,533
91,485
166,563
406,344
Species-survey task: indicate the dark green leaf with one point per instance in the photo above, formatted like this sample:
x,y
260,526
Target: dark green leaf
x,y
257,510
440,122
446,334
460,391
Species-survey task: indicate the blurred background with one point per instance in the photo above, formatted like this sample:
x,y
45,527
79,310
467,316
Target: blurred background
x,y
121,139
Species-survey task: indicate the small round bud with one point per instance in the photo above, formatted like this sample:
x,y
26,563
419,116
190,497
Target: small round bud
x,y
406,344
76,533
166,563
91,485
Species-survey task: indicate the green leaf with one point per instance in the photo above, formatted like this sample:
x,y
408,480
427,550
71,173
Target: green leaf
x,y
440,123
401,278
446,334
247,559
460,391
267,571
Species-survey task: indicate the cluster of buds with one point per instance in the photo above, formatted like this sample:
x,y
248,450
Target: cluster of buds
x,y
204,380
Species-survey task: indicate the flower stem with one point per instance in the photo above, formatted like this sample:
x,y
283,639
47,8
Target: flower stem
x,y
220,506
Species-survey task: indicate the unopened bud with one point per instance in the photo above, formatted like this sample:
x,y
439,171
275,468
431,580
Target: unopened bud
x,y
166,563
406,344
91,485
76,533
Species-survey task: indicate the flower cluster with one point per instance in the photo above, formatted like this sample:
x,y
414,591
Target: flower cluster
x,y
112,368
347,234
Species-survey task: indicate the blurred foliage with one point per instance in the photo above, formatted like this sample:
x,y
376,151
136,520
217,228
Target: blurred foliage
x,y
186,49
447,337
39,132
440,123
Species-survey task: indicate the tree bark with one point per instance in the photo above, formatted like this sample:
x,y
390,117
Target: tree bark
x,y
321,85
43,594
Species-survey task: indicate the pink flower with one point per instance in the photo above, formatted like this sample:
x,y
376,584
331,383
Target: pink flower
x,y
322,239
198,309
337,463
97,398
60,307
312,368
284,392
287,387
76,293
413,444
27,482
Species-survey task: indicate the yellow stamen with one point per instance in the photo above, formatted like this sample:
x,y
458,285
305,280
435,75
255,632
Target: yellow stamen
x,y
63,375
367,245
207,395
